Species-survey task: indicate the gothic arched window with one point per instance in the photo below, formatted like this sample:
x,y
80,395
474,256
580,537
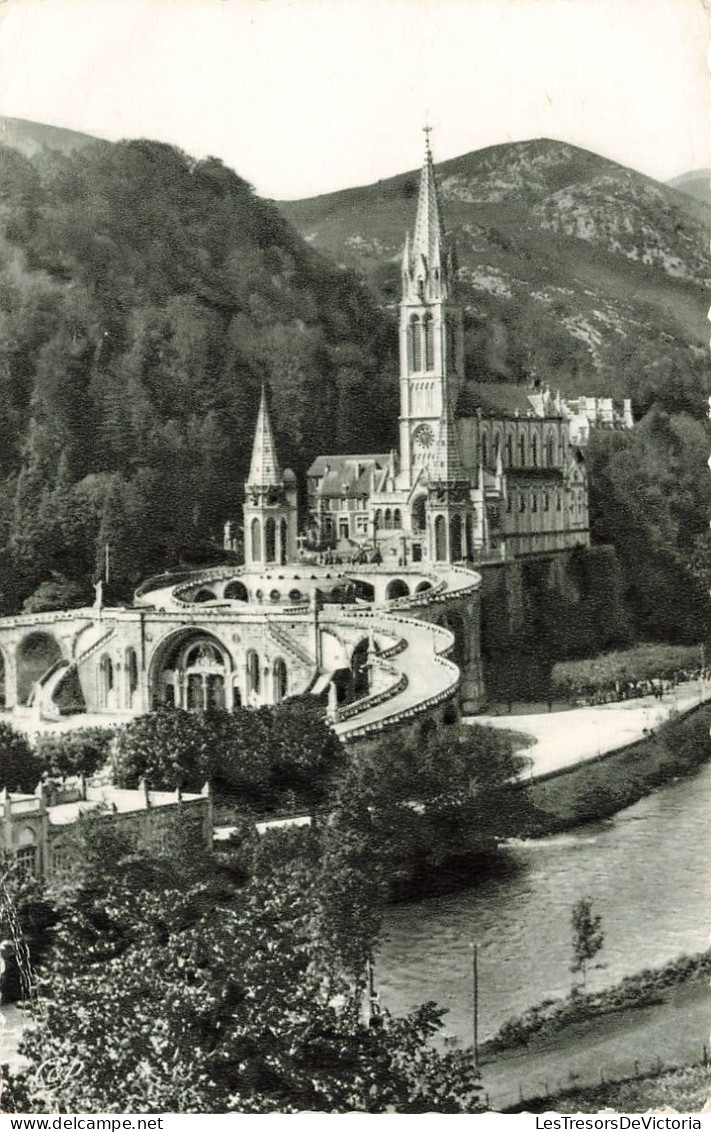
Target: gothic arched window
x,y
522,450
485,450
509,451
440,533
455,537
534,451
451,346
252,672
270,540
428,332
550,451
280,680
256,539
415,344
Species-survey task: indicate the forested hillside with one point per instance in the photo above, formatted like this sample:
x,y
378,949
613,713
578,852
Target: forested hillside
x,y
144,298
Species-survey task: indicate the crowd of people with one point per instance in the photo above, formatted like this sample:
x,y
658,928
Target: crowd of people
x,y
619,690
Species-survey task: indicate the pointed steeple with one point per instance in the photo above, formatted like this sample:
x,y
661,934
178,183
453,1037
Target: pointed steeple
x,y
264,470
428,240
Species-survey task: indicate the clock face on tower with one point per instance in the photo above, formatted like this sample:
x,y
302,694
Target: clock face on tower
x,y
422,443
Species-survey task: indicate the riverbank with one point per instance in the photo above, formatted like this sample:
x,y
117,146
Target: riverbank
x,y
606,784
562,740
646,988
605,1049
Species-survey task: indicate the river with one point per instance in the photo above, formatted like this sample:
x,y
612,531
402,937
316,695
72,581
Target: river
x,y
647,871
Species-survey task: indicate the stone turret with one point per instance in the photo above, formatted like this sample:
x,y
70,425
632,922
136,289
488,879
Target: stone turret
x,y
270,505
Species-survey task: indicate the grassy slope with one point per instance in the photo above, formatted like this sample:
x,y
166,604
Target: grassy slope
x,y
630,1043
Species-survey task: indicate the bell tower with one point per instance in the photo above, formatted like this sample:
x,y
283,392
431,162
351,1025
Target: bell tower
x,y
431,339
270,514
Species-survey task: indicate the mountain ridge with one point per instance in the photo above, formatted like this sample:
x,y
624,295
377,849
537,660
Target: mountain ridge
x,y
569,262
31,137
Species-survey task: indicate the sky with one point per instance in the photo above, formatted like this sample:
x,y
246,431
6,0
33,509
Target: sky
x,y
306,96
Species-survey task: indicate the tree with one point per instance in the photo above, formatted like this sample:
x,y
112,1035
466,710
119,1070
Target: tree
x,y
588,936
161,998
263,757
83,750
408,811
20,768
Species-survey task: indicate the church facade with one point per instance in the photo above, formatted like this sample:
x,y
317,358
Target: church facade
x,y
482,470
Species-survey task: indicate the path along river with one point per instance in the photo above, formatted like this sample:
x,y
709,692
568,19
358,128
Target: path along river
x,y
647,870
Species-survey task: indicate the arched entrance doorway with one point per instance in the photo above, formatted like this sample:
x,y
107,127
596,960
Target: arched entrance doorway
x,y
193,671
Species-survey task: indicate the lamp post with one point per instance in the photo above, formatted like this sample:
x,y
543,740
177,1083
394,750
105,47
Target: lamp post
x,y
475,1002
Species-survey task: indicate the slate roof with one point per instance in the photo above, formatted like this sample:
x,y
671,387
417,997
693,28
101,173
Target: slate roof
x,y
347,475
500,399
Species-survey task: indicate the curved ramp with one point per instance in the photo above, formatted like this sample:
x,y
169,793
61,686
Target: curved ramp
x,y
422,675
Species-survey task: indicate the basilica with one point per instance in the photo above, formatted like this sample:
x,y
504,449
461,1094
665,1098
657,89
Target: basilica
x,y
482,470
375,602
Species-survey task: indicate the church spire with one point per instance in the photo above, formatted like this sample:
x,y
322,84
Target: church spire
x,y
428,240
428,265
264,470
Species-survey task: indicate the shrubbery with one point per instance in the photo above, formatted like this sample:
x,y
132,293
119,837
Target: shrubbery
x,y
604,786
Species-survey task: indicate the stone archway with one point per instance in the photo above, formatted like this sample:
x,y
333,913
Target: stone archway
x,y
353,683
396,588
204,594
35,654
193,670
236,591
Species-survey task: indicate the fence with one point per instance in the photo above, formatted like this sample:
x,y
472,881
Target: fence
x,y
540,1090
